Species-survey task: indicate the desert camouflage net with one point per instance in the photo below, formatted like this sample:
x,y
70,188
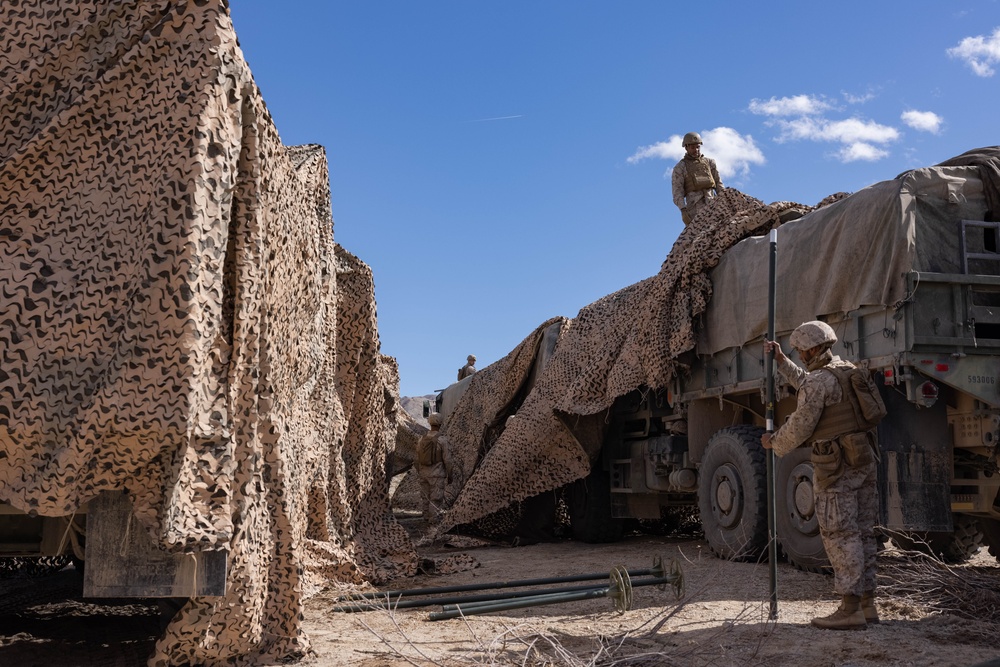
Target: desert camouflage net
x,y
627,340
176,321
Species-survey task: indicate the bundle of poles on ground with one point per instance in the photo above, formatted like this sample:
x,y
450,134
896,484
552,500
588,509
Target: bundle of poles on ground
x,y
617,587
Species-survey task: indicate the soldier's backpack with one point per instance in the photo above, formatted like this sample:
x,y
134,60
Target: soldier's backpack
x,y
860,389
860,410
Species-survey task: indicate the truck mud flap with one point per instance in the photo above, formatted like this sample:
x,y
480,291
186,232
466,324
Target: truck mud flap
x,y
915,471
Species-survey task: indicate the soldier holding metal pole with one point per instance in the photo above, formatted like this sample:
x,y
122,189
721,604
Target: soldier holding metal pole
x,y
844,468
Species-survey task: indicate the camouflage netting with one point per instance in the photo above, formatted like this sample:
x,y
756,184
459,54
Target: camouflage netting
x,y
626,340
177,321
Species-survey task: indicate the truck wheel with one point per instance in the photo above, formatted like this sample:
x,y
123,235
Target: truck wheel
x,y
590,509
732,493
956,547
795,508
991,535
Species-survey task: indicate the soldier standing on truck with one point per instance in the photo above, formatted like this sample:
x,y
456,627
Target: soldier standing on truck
x,y
695,179
844,468
434,466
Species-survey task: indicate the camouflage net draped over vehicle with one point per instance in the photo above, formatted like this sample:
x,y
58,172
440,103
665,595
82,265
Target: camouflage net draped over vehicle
x,y
638,337
177,322
626,340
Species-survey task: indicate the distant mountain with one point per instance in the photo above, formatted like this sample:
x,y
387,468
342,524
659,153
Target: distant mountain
x,y
414,406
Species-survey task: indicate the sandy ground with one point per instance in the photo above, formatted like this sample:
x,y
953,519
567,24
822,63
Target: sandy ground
x,y
722,619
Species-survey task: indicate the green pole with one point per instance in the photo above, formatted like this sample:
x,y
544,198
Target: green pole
x,y
772,515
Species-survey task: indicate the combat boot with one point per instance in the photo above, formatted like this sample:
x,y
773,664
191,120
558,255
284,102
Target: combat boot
x,y
848,616
868,607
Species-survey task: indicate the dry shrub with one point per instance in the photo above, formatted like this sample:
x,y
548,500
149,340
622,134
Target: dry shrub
x,y
913,579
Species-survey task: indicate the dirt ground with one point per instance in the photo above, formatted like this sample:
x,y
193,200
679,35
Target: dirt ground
x,y
722,619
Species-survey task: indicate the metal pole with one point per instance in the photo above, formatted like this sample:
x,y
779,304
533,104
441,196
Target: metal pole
x,y
772,515
655,571
535,601
619,590
387,603
659,581
675,577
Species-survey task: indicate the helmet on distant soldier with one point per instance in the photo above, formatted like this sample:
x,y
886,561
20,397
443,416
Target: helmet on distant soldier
x,y
810,334
471,358
691,138
434,419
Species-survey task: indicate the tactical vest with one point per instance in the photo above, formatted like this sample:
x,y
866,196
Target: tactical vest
x,y
698,175
840,418
429,452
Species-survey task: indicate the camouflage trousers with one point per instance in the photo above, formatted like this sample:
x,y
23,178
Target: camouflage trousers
x,y
433,480
847,512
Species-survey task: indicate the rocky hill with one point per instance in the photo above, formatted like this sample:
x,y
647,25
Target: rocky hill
x,y
414,406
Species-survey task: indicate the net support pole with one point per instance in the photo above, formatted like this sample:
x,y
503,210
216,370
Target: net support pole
x,y
772,543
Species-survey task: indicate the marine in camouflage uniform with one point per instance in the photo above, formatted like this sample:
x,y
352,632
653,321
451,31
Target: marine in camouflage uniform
x,y
844,471
469,368
434,467
695,180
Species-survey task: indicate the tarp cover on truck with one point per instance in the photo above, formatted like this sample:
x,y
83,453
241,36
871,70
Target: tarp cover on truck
x,y
177,322
875,236
710,294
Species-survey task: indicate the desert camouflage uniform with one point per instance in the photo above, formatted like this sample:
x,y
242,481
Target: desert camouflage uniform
x,y
846,509
434,464
469,368
687,197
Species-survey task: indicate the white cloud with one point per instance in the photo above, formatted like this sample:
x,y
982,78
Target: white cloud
x,y
851,98
925,121
979,52
797,105
670,149
860,150
733,153
848,131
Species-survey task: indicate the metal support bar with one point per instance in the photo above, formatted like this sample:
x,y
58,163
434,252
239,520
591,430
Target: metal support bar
x,y
655,571
619,590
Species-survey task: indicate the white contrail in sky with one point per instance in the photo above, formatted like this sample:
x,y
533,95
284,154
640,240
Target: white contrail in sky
x,y
483,120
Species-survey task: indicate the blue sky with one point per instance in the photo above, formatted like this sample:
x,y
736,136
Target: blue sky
x,y
497,164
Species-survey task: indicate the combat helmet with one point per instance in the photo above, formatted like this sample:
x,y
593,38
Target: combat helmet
x,y
471,358
434,419
691,138
810,334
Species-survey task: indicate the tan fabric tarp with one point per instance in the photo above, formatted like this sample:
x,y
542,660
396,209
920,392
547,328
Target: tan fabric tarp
x,y
177,322
875,236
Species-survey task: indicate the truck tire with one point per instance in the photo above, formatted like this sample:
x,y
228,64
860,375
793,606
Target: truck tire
x,y
732,493
795,512
955,547
590,509
991,535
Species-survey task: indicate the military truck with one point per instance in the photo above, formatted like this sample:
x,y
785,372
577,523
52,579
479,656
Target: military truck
x,y
907,272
